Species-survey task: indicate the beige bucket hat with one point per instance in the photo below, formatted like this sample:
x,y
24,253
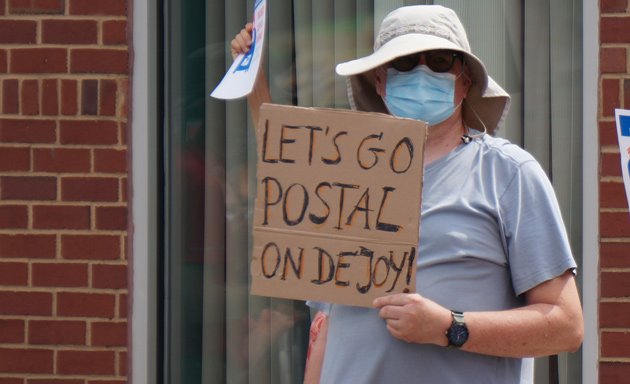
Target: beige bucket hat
x,y
421,28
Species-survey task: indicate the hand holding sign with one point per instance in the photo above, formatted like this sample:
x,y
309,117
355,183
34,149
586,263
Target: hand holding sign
x,y
402,313
243,41
241,77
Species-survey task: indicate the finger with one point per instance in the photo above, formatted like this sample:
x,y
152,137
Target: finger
x,y
245,36
391,312
235,49
398,299
239,44
242,41
395,332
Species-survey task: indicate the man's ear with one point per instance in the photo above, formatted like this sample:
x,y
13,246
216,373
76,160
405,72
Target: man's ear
x,y
467,80
380,77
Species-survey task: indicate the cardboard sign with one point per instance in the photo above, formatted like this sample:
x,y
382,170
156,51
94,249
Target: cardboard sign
x,y
337,210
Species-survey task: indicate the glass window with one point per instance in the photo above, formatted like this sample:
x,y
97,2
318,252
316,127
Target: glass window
x,y
214,331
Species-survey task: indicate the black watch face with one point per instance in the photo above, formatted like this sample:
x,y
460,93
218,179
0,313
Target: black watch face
x,y
458,334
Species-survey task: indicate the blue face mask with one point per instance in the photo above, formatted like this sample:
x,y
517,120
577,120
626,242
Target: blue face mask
x,y
420,94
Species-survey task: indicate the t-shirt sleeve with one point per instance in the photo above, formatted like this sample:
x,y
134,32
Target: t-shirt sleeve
x,y
536,238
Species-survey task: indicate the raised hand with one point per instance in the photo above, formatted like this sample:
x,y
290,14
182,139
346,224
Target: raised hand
x,y
242,41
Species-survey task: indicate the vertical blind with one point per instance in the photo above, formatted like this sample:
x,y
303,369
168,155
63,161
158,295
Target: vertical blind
x,y
214,331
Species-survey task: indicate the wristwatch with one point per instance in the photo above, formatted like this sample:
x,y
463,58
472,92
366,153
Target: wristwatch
x,y
457,334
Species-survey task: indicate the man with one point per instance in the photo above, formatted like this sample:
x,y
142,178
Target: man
x,y
495,281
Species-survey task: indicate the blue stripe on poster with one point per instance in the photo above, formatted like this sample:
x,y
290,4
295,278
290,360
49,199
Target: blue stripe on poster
x,y
624,123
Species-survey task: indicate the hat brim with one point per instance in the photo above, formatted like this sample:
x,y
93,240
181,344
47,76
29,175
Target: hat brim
x,y
413,43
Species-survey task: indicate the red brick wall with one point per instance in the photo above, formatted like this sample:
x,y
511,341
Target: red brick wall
x,y
614,217
64,94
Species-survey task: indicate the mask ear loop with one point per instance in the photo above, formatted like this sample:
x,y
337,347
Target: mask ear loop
x,y
466,139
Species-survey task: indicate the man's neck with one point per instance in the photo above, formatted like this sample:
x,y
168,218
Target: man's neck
x,y
443,138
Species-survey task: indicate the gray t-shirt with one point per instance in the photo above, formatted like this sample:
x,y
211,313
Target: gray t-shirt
x,y
491,230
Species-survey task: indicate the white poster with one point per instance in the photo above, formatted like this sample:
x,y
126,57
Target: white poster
x,y
240,78
622,116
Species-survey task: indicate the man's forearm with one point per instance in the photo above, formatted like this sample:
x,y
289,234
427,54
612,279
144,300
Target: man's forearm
x,y
546,326
534,330
259,95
